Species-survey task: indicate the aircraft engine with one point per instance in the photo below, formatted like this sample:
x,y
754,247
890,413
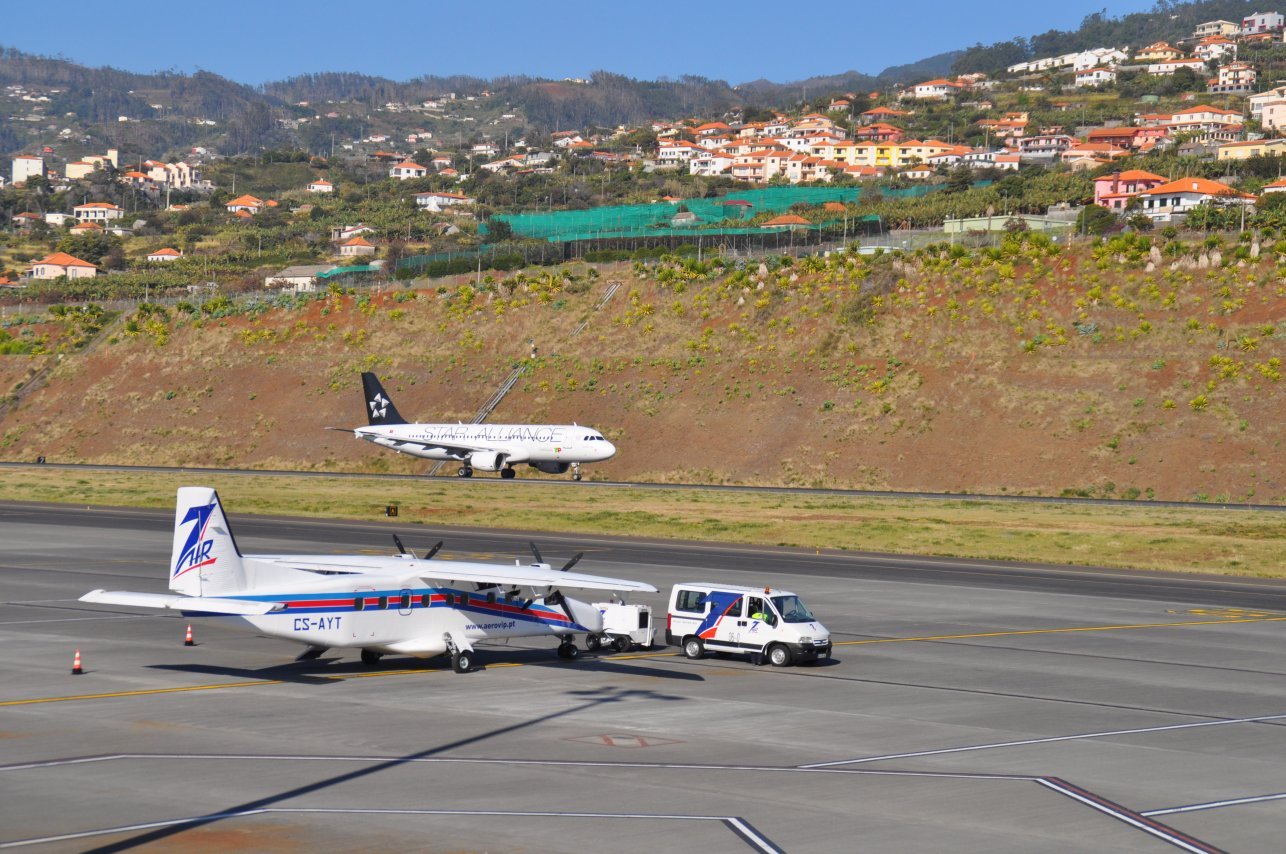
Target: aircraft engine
x,y
551,467
584,613
487,460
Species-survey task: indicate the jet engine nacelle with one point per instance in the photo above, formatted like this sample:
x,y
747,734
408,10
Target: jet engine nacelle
x,y
487,460
551,467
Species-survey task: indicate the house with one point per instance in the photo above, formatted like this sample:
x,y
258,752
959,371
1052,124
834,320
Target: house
x,y
879,132
1092,154
1167,67
301,278
58,220
1233,78
407,170
97,212
1115,191
438,202
27,166
881,114
246,204
356,247
1262,22
1278,186
86,228
78,169
934,90
338,235
1203,119
1214,48
677,152
1121,137
1046,146
711,163
1211,29
321,185
440,161
61,264
1254,148
166,254
175,176
1158,52
793,222
1258,100
1094,77
1176,198
919,172
26,219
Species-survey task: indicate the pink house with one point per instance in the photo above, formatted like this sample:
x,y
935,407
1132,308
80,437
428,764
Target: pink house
x,y
1115,191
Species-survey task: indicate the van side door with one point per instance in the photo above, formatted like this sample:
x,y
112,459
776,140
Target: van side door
x,y
761,622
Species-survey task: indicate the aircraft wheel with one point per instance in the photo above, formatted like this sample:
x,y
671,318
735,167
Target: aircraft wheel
x,y
779,656
576,476
621,644
693,647
508,474
371,657
462,661
568,651
593,642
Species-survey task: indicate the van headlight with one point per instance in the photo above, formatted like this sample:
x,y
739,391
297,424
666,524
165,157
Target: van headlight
x,y
805,640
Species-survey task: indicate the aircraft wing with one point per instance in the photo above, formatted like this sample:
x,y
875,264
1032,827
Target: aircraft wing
x,y
203,604
525,576
462,448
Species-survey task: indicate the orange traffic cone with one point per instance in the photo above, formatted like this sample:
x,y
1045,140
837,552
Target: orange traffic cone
x,y
187,638
75,665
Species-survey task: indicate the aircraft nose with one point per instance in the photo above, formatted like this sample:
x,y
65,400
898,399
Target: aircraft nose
x,y
608,450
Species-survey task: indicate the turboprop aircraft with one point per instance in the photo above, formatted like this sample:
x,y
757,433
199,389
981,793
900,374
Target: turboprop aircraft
x,y
399,604
550,448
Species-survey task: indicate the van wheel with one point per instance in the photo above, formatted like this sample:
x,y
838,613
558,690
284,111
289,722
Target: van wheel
x,y
693,647
779,656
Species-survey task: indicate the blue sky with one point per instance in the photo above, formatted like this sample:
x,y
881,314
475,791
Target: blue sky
x,y
252,42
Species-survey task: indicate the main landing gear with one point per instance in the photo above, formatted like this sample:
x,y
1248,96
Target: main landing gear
x,y
568,649
466,470
575,471
508,473
370,657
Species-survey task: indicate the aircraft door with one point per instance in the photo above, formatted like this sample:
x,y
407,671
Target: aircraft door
x,y
365,613
404,603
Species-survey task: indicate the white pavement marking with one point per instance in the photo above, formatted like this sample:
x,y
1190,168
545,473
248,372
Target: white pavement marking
x,y
743,829
1159,831
1049,740
1213,805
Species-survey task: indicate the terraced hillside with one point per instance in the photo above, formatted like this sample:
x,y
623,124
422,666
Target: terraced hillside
x,y
1135,368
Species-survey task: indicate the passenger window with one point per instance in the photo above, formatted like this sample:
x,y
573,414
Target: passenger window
x,y
359,604
383,603
692,601
406,601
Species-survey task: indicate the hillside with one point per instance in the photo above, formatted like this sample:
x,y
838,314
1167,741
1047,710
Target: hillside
x,y
1115,369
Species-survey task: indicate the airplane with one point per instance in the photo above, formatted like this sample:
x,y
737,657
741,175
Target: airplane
x,y
550,448
399,604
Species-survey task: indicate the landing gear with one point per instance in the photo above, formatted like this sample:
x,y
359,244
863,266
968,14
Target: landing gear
x,y
461,661
568,650
465,471
575,471
370,657
508,473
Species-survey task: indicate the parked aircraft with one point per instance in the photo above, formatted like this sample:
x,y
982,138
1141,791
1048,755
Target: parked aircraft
x,y
550,448
399,604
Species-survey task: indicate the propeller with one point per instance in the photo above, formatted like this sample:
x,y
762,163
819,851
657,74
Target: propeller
x,y
433,550
404,550
536,552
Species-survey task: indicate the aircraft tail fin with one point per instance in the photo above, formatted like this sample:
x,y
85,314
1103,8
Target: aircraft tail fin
x,y
379,409
205,560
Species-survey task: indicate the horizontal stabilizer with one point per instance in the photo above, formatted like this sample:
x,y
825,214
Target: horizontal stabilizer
x,y
204,604
524,576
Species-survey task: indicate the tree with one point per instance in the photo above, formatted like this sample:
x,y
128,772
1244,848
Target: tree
x,y
1140,222
1094,219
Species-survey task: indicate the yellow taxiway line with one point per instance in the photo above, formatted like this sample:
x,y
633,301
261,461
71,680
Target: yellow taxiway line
x,y
634,656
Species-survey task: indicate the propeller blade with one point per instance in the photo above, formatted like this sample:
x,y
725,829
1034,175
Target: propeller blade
x,y
572,562
401,548
433,550
535,551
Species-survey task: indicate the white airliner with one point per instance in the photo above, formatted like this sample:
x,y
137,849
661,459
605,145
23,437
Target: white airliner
x,y
550,448
398,604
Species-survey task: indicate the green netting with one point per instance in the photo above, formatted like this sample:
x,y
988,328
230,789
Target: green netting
x,y
655,220
344,271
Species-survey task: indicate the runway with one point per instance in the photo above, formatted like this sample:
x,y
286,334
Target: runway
x,y
971,706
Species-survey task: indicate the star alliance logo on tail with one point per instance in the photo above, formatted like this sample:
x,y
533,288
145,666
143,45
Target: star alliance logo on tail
x,y
196,550
379,406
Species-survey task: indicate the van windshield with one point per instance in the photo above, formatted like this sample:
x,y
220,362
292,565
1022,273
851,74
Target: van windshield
x,y
792,610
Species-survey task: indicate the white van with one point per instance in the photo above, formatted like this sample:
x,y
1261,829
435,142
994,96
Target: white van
x,y
724,618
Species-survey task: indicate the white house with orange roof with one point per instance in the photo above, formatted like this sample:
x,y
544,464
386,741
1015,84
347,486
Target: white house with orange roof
x,y
1176,198
407,170
1203,119
436,202
97,212
882,114
1278,186
1157,52
166,254
1210,29
718,162
246,204
321,185
61,264
1094,77
1235,78
1166,67
676,152
1214,48
356,247
933,90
